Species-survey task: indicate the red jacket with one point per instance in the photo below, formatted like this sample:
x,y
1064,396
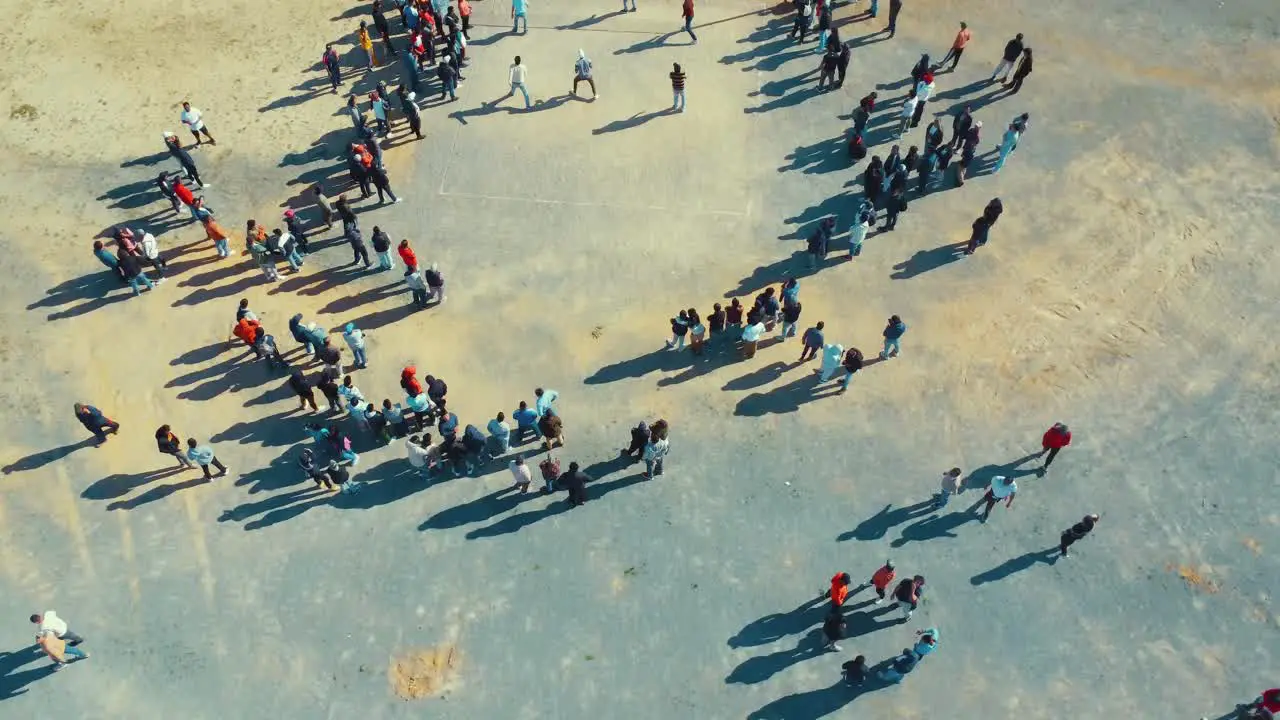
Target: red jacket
x,y
1055,438
183,192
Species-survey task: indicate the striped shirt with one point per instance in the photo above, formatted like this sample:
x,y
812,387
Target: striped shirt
x,y
677,81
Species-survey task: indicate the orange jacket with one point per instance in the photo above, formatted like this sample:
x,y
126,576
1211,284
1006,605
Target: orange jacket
x,y
883,577
839,591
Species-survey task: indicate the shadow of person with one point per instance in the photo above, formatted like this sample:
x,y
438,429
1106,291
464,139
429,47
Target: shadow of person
x,y
1048,556
113,486
980,478
786,398
38,460
13,681
776,626
656,41
762,667
659,359
813,704
934,527
875,527
925,260
512,523
634,121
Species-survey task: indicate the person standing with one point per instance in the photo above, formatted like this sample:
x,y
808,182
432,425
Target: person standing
x,y
839,590
435,283
978,238
832,357
448,75
908,112
655,452
924,90
203,456
804,17
382,248
1055,438
95,422
183,157
417,287
813,340
686,12
827,69
881,580
677,88
927,643
384,29
824,28
852,363
48,623
907,595
408,102
639,439
464,12
551,427
843,55
855,671
517,75
499,434
366,44
896,203
957,47
893,332
1076,533
582,73
1008,144
1001,488
519,11
791,316
895,7
332,66
951,485
575,481
194,120
355,340
165,186
833,627
960,125
751,335
550,469
1012,50
1024,69
169,444
520,475
863,219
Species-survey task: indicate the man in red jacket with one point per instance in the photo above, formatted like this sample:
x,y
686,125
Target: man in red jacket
x,y
1056,438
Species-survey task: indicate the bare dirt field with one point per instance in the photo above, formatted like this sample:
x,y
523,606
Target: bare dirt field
x,y
1129,290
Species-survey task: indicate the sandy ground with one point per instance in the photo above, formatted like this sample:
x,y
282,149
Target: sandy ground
x,y
1127,290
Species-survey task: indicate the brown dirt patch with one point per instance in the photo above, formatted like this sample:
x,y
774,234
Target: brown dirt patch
x,y
1196,578
418,674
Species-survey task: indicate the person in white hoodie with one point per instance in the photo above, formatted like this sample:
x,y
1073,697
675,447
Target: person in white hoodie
x,y
655,451
518,75
419,454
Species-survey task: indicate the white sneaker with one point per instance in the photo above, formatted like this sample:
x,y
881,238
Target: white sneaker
x,y
878,601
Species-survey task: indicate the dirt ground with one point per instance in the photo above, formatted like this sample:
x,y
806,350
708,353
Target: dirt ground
x,y
1128,289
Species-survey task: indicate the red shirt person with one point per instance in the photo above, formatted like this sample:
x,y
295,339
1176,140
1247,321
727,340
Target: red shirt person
x,y
1056,438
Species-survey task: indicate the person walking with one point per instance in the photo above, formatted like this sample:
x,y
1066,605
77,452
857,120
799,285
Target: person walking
x,y
328,384
957,47
435,283
1012,50
519,11
791,316
1054,439
863,219
575,481
978,237
832,357
384,29
833,627
655,450
843,55
359,251
518,74
895,7
951,484
881,579
686,12
165,186
203,456
183,157
48,623
58,650
104,255
332,66
824,29
677,88
417,287
169,444
896,204
95,422
1076,533
366,44
855,671
194,120
893,332
1019,75
1001,488
927,642
582,73
383,183
852,363
907,595
804,18
813,340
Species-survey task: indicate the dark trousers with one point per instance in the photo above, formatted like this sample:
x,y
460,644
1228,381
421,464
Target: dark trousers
x,y
1053,453
954,56
1066,541
893,22
222,469
195,174
841,70
915,119
335,78
386,40
415,124
360,252
1017,84
362,179
109,426
688,27
71,638
157,264
826,78
808,353
891,219
384,188
308,399
587,80
990,500
419,297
